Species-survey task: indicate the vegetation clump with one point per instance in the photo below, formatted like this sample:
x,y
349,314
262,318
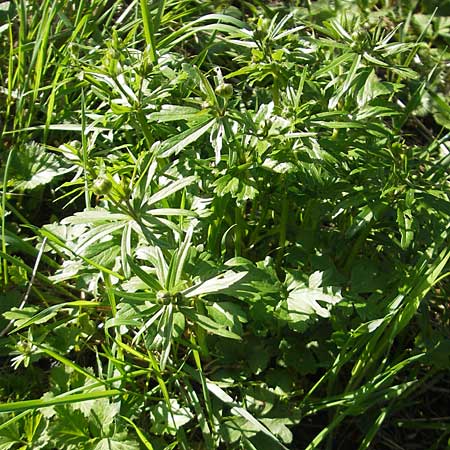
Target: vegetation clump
x,y
224,225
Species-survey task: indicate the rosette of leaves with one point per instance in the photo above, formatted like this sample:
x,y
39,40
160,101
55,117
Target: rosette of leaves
x,y
170,302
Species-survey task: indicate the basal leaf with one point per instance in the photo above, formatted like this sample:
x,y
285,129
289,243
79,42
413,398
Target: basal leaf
x,y
168,419
33,166
118,441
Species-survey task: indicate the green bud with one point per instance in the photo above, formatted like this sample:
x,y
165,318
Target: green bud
x,y
75,144
396,147
358,35
263,24
102,185
163,298
225,90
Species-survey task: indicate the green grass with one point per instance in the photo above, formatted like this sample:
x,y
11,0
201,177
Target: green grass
x,y
224,227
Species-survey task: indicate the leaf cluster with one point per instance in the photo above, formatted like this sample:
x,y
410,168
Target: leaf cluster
x,y
222,226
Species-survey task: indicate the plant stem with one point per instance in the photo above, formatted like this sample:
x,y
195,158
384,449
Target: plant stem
x,y
283,228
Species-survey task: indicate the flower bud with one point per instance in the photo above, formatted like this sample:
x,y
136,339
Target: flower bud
x,y
101,185
225,90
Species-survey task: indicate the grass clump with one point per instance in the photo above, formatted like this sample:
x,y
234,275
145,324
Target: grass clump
x,y
224,226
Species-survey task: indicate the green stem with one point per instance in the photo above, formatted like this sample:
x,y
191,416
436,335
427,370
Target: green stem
x,y
84,148
354,252
200,333
149,31
144,126
283,229
5,181
239,221
276,91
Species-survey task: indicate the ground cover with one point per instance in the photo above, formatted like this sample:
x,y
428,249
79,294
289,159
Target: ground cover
x,y
224,225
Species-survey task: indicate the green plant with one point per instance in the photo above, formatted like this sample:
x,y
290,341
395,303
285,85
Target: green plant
x,y
223,227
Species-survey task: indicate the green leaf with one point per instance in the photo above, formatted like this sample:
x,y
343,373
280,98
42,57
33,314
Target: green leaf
x,y
22,316
147,278
405,225
103,253
368,276
208,324
175,144
117,442
61,400
173,187
34,166
242,412
214,285
305,301
278,428
229,314
6,444
68,425
169,113
171,212
120,106
28,316
8,301
168,419
441,110
302,303
103,412
97,215
166,327
139,432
